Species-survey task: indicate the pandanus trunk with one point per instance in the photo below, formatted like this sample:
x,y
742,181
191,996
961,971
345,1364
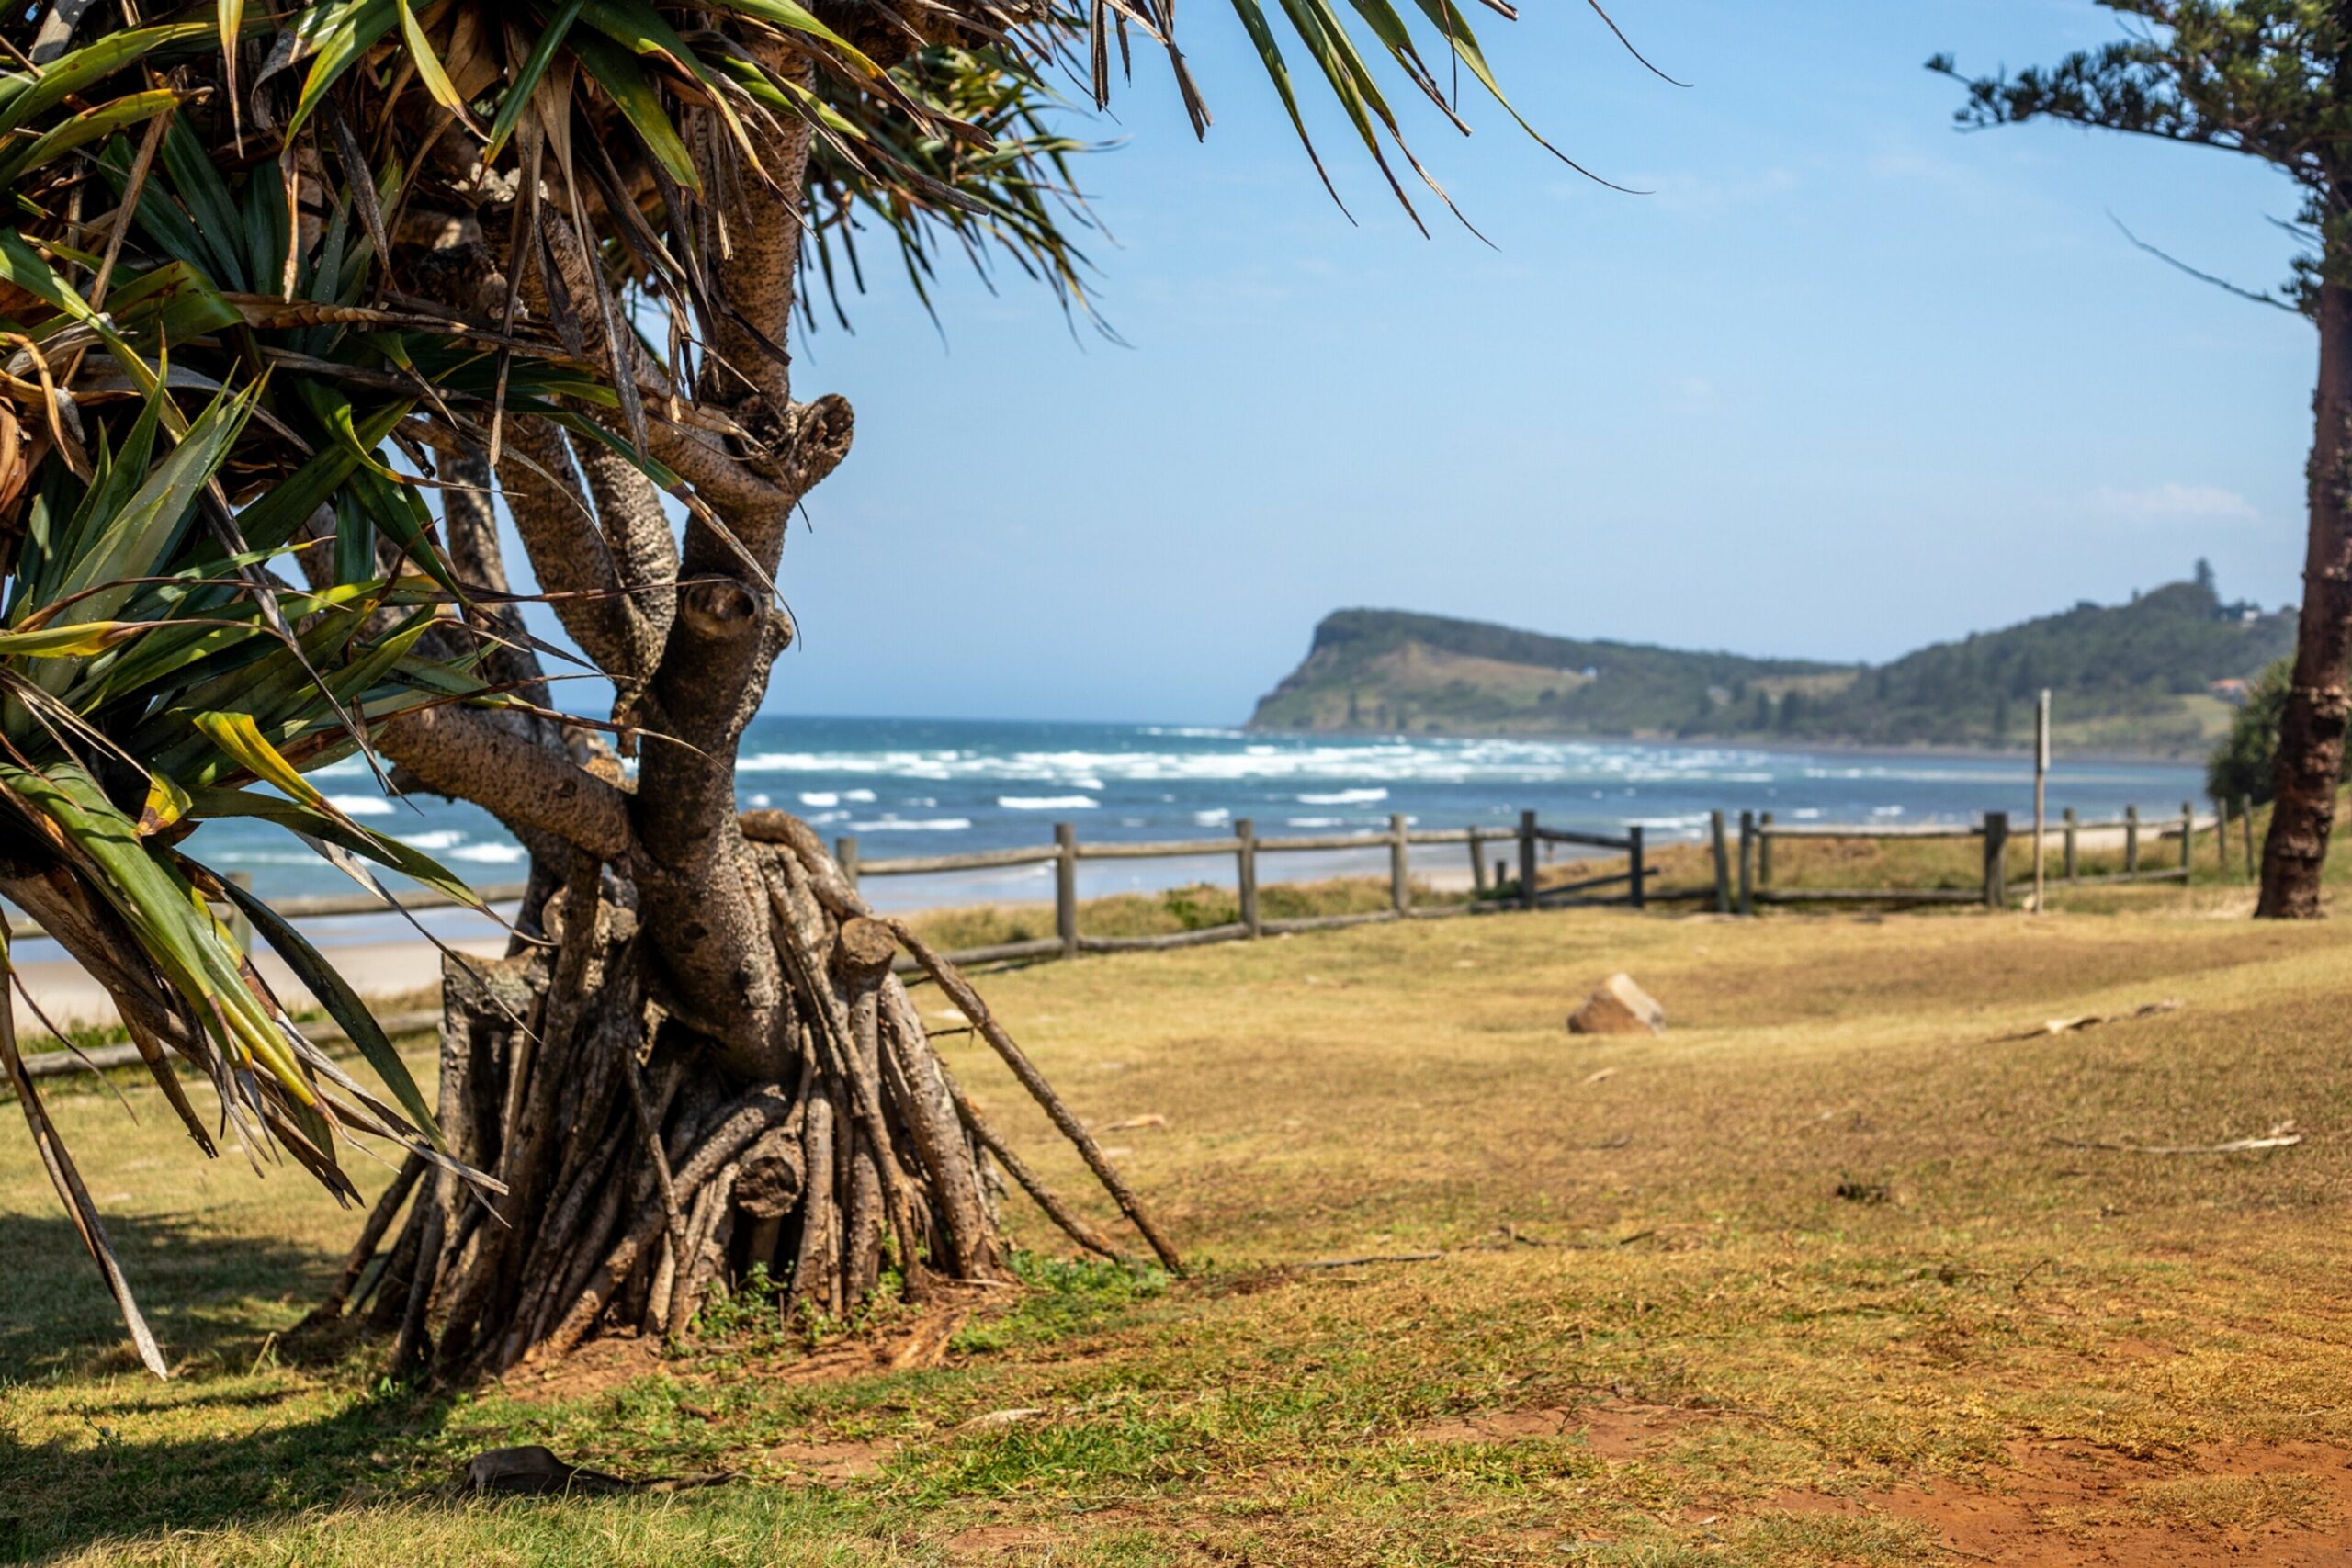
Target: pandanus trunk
x,y
2311,726
696,1064
640,1169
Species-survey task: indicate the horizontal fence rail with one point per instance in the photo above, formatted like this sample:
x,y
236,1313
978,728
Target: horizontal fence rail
x,y
1743,879
1995,831
1488,893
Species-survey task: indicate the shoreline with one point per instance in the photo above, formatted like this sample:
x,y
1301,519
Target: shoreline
x,y
1788,747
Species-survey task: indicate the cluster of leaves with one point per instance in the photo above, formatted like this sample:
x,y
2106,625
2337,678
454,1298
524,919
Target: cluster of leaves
x,y
2268,79
173,424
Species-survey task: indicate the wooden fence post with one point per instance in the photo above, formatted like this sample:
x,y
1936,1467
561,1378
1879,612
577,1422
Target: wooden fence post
x,y
1066,887
2245,826
1478,862
1633,833
1723,862
2073,836
1527,860
1748,863
1400,871
2131,840
1997,859
1246,857
1764,850
845,852
2187,836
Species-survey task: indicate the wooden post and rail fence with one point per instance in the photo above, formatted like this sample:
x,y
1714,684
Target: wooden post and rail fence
x,y
1247,850
1743,879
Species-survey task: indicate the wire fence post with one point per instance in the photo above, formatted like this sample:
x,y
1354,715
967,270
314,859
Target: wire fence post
x,y
2041,786
1764,850
1400,866
2074,843
2131,840
1527,860
1066,887
1633,837
2187,836
1723,862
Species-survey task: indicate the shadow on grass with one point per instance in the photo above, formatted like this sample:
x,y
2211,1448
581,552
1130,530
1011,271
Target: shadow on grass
x,y
216,1444
204,1293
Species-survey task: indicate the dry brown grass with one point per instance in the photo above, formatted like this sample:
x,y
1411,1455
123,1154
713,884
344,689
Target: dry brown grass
x,y
1656,1334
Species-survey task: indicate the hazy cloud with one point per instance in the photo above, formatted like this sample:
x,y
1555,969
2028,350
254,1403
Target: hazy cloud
x,y
2173,502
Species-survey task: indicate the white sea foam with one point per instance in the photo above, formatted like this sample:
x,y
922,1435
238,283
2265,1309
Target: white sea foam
x,y
900,824
820,798
361,805
1344,797
492,855
1212,818
1047,802
861,797
434,842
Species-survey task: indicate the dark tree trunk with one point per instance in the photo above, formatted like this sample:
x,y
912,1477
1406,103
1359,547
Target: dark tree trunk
x,y
2311,729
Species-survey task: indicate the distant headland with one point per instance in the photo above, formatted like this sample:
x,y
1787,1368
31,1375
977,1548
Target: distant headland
x,y
2156,676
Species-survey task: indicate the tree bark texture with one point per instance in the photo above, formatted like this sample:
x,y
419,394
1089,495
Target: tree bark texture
x,y
2311,726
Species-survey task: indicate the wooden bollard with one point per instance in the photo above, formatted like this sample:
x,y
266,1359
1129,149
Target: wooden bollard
x,y
1478,862
1748,863
845,855
1723,862
1527,860
1997,859
1066,887
1246,871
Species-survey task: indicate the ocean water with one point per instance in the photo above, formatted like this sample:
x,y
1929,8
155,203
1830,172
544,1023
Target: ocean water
x,y
920,786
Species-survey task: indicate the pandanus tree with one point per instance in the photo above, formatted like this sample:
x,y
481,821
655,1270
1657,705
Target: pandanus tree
x,y
2272,80
292,298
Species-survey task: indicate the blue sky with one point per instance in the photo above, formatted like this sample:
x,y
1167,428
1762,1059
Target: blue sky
x,y
1850,380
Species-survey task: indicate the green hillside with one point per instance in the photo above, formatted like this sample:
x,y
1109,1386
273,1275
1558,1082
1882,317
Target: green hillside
x,y
2136,677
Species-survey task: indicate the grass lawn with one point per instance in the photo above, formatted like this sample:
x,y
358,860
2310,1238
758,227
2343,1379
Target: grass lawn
x,y
1823,1275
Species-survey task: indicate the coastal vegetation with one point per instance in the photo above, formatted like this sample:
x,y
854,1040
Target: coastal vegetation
x,y
2154,676
304,291
2269,80
1856,1262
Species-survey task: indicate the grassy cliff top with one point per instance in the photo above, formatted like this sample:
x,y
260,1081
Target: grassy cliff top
x,y
2138,676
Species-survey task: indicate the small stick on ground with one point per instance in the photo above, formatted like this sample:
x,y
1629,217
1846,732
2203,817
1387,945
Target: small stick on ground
x,y
2282,1136
1371,1258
